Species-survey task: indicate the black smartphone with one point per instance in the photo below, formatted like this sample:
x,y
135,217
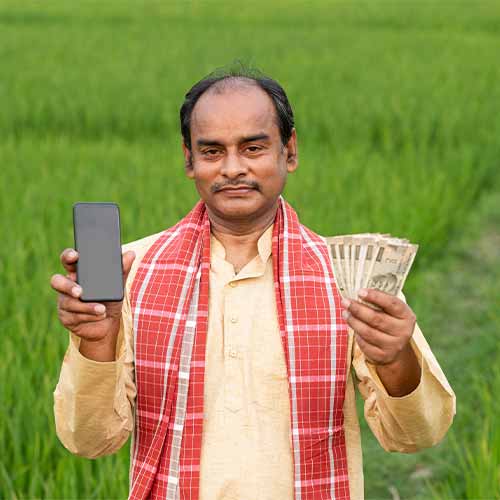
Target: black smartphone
x,y
99,269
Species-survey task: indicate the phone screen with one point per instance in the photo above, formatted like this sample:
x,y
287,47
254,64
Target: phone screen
x,y
98,242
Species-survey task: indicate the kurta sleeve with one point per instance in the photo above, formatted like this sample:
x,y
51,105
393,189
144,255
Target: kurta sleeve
x,y
94,400
412,422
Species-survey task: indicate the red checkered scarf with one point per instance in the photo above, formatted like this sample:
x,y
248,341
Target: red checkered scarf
x,y
169,299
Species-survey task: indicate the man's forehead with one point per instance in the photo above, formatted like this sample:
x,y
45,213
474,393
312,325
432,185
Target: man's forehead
x,y
242,109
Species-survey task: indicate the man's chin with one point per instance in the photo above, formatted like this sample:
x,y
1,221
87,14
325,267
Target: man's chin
x,y
237,209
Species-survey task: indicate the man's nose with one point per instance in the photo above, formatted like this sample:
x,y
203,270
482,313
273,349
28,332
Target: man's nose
x,y
233,166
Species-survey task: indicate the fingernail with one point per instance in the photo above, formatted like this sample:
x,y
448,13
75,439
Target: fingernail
x,y
76,290
99,309
346,303
72,255
363,292
345,314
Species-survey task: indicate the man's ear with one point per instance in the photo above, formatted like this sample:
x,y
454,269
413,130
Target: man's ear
x,y
188,161
292,158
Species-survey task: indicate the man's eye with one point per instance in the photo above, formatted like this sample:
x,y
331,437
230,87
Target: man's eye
x,y
211,152
253,149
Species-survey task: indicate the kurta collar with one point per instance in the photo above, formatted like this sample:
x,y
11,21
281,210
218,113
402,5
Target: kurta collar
x,y
255,267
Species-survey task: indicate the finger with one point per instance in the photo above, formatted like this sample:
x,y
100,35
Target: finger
x,y
389,303
376,319
371,352
128,259
71,276
74,319
72,305
65,285
369,334
69,257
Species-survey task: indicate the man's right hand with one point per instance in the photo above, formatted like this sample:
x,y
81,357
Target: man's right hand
x,y
97,324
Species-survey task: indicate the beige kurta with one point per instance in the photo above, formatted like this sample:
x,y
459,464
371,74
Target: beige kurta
x,y
246,447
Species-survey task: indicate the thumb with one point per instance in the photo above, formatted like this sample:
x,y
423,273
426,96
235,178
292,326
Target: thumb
x,y
127,259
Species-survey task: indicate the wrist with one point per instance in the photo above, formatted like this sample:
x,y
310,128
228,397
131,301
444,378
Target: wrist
x,y
401,376
98,351
103,350
400,360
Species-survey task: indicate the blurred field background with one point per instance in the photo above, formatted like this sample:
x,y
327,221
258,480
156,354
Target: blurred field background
x,y
397,109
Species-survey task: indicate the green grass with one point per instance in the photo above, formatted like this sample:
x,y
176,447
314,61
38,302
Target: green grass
x,y
398,116
478,471
457,302
474,444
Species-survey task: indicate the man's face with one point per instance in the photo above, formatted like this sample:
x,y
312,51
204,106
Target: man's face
x,y
237,159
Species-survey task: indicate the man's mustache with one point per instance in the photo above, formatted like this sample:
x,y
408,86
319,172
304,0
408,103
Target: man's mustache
x,y
221,185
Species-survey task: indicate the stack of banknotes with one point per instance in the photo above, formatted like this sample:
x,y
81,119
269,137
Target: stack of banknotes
x,y
370,260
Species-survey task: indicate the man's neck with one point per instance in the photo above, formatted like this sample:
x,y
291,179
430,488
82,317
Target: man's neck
x,y
239,239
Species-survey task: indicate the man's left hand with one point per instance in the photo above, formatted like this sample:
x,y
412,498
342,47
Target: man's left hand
x,y
383,336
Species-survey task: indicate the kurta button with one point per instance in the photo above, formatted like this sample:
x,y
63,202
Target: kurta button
x,y
232,353
234,319
233,284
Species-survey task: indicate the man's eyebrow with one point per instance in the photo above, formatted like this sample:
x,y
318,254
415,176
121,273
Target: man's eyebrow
x,y
257,137
207,142
250,138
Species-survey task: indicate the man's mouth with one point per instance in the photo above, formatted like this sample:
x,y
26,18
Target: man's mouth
x,y
237,191
235,188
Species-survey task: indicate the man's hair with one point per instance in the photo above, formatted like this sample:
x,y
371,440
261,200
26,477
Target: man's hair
x,y
233,74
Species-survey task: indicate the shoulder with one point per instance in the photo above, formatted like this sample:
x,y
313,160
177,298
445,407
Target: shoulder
x,y
314,239
140,247
312,235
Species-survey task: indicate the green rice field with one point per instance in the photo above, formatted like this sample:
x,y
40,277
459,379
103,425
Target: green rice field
x,y
397,108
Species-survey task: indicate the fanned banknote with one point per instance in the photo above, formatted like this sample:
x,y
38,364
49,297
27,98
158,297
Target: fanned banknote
x,y
370,260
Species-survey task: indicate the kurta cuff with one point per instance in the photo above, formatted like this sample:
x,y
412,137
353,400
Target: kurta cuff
x,y
412,422
90,403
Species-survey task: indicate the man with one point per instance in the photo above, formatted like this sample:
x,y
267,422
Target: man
x,y
229,360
